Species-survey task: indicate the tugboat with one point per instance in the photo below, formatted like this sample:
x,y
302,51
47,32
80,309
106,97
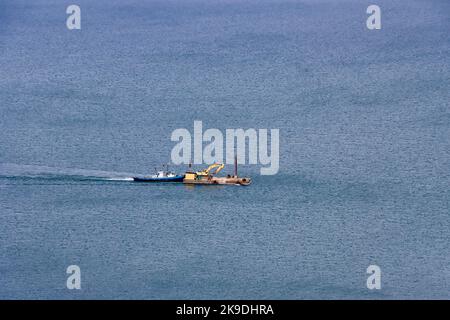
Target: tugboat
x,y
160,176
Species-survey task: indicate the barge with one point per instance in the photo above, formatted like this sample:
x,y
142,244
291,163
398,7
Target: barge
x,y
208,177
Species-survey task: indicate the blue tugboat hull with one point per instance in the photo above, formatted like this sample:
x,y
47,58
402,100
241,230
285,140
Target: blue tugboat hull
x,y
159,179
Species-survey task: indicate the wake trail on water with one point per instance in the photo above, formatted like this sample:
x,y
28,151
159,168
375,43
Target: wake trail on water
x,y
25,172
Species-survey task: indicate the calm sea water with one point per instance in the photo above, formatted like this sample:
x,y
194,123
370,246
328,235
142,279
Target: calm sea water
x,y
364,175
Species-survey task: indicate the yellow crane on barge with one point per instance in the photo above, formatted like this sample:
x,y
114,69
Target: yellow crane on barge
x,y
207,172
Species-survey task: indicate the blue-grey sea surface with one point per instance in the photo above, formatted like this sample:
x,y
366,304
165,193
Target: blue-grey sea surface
x,y
364,126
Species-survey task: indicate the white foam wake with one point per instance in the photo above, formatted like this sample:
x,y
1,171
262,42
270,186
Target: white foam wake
x,y
10,170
